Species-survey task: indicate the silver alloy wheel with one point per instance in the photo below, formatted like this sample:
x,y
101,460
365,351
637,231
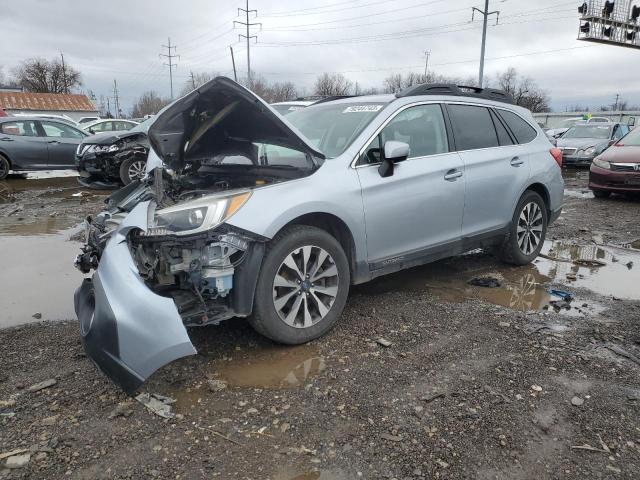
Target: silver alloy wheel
x,y
4,169
529,229
305,286
136,170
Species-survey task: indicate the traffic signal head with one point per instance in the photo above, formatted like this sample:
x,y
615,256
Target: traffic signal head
x,y
585,28
582,9
635,13
608,9
607,31
631,36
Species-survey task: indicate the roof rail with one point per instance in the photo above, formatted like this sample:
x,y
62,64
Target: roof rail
x,y
456,91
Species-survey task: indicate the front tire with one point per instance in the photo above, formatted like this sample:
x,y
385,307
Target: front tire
x,y
5,167
527,232
302,287
601,193
132,169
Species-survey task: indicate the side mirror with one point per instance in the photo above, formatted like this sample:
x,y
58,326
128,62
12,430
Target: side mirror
x,y
394,152
632,121
91,131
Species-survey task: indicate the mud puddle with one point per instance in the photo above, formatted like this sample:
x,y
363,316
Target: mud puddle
x,y
38,277
603,270
272,368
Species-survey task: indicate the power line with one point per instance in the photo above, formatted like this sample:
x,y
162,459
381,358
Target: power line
x,y
360,6
169,56
287,13
248,36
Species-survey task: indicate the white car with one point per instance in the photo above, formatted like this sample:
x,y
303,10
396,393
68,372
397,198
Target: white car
x,y
109,125
567,124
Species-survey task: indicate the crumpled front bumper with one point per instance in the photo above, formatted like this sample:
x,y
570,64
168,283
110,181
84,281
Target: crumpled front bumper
x,y
128,330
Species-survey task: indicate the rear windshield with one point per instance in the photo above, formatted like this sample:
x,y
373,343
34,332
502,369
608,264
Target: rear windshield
x,y
632,139
588,131
331,128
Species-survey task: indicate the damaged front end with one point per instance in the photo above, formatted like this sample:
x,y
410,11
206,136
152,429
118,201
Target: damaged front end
x,y
157,271
165,257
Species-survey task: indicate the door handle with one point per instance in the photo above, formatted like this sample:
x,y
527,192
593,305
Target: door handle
x,y
6,139
451,175
516,162
53,141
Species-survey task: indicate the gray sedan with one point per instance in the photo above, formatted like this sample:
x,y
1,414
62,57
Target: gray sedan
x,y
583,142
34,143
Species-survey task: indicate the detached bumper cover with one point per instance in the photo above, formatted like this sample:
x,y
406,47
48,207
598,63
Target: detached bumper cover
x,y
127,330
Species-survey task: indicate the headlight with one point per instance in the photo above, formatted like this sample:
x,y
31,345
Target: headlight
x,y
590,151
599,162
197,215
107,148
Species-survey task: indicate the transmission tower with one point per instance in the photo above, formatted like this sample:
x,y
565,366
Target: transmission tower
x,y
248,36
170,56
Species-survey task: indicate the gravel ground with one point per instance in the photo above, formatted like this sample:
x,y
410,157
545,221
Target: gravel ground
x,y
464,389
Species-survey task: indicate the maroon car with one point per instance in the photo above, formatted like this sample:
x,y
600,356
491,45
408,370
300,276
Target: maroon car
x,y
617,169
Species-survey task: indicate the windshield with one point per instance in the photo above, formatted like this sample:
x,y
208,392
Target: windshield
x,y
588,131
632,139
287,108
332,127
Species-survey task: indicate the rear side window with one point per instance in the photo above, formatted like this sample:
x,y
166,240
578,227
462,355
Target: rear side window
x,y
523,132
472,127
503,136
26,128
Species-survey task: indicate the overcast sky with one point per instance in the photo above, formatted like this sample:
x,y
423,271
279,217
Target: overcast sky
x,y
364,39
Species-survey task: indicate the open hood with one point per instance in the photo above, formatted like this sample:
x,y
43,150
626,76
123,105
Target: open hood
x,y
219,117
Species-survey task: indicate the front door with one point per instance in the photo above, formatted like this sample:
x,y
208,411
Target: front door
x,y
20,142
62,142
420,206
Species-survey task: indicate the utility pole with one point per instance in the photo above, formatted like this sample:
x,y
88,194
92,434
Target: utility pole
x,y
116,100
427,54
193,82
485,14
233,61
248,36
109,109
170,56
615,107
65,85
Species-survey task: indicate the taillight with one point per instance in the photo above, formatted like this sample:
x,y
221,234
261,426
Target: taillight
x,y
556,153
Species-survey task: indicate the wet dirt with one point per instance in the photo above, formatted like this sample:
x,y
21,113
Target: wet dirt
x,y
38,277
272,368
525,288
311,475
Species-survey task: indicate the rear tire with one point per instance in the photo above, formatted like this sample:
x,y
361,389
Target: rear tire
x,y
302,287
601,193
5,167
527,232
132,169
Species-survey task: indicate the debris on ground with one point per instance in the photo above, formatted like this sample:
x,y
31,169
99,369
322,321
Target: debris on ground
x,y
123,409
622,352
577,401
12,453
18,461
588,262
383,342
37,315
158,404
216,385
42,385
485,281
566,296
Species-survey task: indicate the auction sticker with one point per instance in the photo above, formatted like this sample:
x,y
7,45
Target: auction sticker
x,y
362,108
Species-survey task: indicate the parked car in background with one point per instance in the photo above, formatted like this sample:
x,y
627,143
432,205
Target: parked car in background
x,y
248,213
108,125
111,159
285,108
58,118
3,113
567,124
618,168
36,143
84,120
583,142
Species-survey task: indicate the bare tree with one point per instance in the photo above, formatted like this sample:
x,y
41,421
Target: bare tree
x,y
332,84
197,80
44,76
283,91
397,82
524,90
149,103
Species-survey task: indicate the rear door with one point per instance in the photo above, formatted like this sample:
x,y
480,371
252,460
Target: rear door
x,y
20,142
420,206
62,141
496,167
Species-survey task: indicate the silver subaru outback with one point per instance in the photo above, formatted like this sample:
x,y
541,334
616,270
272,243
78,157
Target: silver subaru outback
x,y
246,213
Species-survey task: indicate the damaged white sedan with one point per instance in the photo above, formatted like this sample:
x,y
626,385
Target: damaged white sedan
x,y
244,213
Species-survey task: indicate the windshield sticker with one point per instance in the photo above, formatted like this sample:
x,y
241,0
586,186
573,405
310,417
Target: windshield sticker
x,y
362,108
295,107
